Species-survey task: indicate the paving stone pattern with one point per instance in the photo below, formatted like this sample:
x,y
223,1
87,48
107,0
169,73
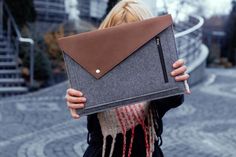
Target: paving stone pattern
x,y
39,124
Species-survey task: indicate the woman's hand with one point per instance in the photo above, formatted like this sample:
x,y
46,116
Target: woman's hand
x,y
179,72
75,100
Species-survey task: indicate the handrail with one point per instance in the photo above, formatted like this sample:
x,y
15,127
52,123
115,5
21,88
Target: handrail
x,y
189,41
11,22
194,28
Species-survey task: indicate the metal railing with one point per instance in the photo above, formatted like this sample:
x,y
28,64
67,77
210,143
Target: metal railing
x,y
189,38
15,39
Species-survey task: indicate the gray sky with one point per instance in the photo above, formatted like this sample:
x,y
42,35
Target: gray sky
x,y
218,6
210,6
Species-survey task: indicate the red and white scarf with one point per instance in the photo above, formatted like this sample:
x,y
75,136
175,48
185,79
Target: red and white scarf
x,y
122,119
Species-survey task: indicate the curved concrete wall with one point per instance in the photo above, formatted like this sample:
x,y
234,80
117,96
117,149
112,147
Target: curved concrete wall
x,y
197,68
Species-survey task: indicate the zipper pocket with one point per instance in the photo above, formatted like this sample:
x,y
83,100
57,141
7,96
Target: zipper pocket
x,y
163,65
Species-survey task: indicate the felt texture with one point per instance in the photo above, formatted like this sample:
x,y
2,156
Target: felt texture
x,y
138,78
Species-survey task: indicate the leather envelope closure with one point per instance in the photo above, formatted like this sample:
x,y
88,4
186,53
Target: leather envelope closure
x,y
100,51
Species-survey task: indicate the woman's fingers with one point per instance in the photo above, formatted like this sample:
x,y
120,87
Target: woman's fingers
x,y
74,92
75,106
73,113
73,99
178,63
182,77
179,71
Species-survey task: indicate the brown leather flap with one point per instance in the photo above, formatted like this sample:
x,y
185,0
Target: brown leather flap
x,y
100,51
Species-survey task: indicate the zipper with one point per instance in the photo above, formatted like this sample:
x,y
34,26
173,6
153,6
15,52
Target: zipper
x,y
163,65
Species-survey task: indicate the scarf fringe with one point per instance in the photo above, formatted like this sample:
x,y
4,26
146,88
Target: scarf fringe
x,y
104,146
125,120
131,142
112,145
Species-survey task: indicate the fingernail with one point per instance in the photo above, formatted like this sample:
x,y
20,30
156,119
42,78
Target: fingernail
x,y
82,99
188,92
76,116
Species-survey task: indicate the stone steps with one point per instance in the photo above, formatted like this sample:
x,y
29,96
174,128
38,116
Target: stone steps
x,y
2,38
14,80
11,81
10,91
7,58
6,51
8,64
3,44
10,73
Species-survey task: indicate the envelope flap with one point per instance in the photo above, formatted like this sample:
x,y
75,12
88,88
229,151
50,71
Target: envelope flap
x,y
101,50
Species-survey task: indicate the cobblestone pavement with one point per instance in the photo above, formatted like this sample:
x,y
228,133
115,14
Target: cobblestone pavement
x,y
39,124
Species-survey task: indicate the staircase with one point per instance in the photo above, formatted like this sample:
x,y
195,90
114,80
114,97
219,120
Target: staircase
x,y
11,82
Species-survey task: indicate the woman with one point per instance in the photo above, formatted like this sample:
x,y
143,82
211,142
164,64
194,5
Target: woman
x,y
132,130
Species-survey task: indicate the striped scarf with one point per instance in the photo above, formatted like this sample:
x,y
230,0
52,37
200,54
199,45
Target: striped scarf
x,y
122,119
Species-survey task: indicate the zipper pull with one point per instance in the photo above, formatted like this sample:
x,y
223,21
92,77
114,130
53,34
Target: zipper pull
x,y
158,41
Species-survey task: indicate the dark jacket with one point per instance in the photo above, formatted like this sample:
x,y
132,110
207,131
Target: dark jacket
x,y
95,138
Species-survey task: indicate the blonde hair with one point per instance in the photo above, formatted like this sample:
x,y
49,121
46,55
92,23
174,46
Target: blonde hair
x,y
126,11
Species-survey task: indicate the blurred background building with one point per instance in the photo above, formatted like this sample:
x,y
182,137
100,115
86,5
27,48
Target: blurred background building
x,y
30,58
34,118
50,11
